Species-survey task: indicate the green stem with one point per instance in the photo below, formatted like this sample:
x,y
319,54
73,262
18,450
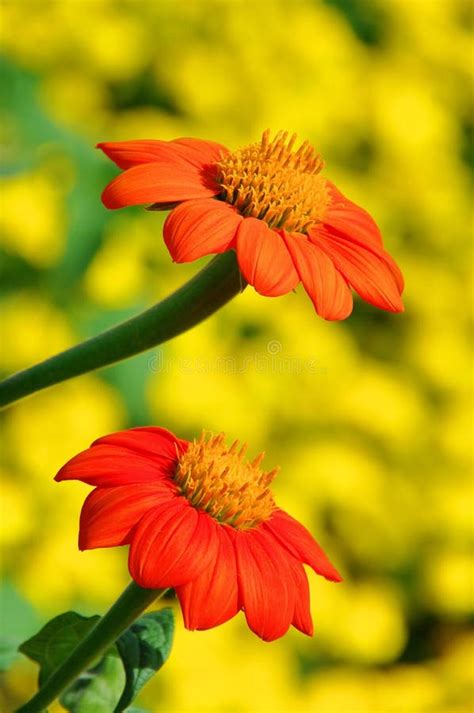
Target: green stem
x,y
128,607
203,295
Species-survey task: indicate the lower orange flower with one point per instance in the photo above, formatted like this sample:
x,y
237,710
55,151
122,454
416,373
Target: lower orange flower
x,y
199,518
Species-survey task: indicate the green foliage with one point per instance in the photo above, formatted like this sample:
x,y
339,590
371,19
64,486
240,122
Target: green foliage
x,y
98,689
115,681
56,640
144,649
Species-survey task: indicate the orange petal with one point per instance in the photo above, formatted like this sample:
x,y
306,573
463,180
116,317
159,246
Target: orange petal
x,y
349,217
109,514
171,545
201,150
368,269
137,455
151,441
132,153
326,288
200,227
212,598
266,585
301,544
108,466
264,259
302,615
159,183
181,151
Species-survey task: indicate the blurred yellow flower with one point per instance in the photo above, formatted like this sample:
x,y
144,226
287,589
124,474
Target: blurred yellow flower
x,y
32,329
363,623
17,521
126,252
448,583
32,220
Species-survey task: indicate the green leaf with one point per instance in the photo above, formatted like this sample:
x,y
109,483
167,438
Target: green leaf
x,y
117,678
98,689
55,641
144,648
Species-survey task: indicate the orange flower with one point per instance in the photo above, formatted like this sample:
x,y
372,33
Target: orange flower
x,y
201,519
269,203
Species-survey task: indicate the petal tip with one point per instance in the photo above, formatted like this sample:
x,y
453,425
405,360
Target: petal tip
x,y
307,631
395,306
108,200
61,474
331,574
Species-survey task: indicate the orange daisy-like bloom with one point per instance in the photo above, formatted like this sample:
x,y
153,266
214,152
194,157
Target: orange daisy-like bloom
x,y
199,518
269,203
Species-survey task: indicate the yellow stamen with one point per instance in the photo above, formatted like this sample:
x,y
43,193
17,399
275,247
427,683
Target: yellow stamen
x,y
215,478
270,181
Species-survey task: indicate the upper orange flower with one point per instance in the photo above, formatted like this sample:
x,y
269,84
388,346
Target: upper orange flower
x,y
201,519
269,203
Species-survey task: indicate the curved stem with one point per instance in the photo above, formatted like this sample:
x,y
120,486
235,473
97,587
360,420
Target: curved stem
x,y
203,295
128,607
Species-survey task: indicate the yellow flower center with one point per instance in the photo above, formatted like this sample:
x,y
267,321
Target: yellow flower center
x,y
270,181
217,479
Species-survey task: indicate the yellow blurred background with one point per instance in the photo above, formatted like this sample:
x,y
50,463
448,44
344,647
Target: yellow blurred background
x,y
368,418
